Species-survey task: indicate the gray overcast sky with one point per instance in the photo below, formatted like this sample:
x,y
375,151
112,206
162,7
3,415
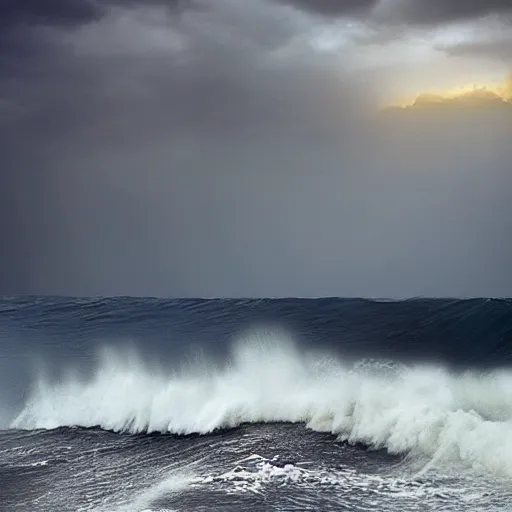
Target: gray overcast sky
x,y
228,148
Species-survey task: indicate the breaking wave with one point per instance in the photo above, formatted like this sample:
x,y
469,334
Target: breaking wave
x,y
423,411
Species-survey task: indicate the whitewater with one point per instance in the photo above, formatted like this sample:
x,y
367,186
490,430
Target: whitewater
x,y
424,411
225,413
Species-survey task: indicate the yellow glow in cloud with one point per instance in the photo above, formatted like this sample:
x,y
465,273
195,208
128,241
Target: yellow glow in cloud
x,y
477,92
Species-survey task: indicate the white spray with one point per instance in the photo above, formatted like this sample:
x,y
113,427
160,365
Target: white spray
x,y
417,410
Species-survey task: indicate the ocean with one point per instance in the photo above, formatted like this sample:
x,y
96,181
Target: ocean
x,y
142,404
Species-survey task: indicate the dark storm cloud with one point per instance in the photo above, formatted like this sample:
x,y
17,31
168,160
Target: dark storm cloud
x,y
462,9
76,12
412,11
333,7
219,153
78,193
442,11
498,49
16,13
22,22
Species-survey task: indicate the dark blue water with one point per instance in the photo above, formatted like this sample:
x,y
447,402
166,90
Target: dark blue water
x,y
332,404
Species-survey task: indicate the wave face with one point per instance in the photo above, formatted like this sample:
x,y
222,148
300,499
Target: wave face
x,y
424,411
464,333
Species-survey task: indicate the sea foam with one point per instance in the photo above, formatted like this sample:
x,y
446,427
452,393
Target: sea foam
x,y
424,411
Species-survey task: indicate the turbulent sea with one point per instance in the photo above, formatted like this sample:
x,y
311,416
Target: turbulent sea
x,y
324,405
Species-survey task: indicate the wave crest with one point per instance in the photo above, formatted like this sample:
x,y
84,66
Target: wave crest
x,y
418,410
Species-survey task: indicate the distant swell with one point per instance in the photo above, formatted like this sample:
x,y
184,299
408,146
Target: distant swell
x,y
424,411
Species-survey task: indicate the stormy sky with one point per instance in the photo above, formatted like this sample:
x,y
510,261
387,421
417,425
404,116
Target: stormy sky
x,y
228,148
